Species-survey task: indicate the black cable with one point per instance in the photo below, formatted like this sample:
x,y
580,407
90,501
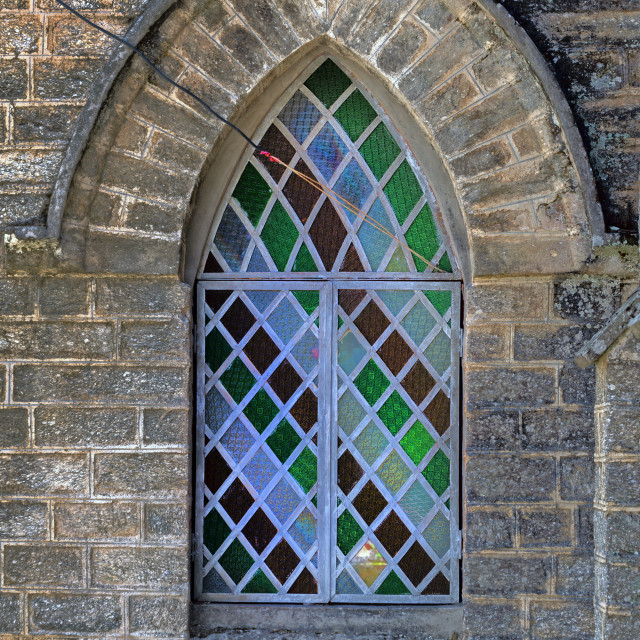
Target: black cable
x,y
160,73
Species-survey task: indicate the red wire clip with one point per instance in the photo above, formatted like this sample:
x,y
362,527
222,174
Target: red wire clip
x,y
272,158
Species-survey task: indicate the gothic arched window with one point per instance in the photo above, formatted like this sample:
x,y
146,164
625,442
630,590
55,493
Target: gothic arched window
x,y
328,369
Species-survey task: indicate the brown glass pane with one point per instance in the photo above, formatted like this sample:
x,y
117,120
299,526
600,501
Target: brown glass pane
x,y
216,471
369,502
259,531
438,412
418,382
349,299
238,320
393,533
328,234
262,350
305,410
301,195
284,381
277,145
236,500
395,352
282,561
212,265
439,586
371,322
215,298
416,564
352,261
349,472
304,583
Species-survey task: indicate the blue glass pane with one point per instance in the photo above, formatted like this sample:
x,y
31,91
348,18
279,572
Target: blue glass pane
x,y
371,443
354,187
232,239
303,530
327,151
438,534
259,471
350,412
393,472
283,501
213,583
306,351
439,352
346,584
216,409
374,242
257,263
416,503
395,300
418,323
285,321
237,440
350,352
299,116
261,299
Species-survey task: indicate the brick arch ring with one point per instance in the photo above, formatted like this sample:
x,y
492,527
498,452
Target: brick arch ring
x,y
467,88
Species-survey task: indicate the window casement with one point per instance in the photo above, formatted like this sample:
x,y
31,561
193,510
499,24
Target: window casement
x,y
328,369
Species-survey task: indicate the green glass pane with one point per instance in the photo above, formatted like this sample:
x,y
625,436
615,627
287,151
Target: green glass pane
x,y
437,472
445,263
371,382
393,472
305,470
237,380
309,300
214,531
448,503
392,586
423,237
439,352
441,300
403,191
216,350
328,82
416,503
253,193
355,114
417,442
349,532
394,413
236,561
438,534
279,235
379,151
371,443
398,262
259,584
283,441
304,261
350,412
261,410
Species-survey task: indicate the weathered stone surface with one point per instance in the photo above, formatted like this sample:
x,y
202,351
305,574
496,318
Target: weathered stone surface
x,y
302,18
492,431
548,342
154,340
486,158
214,15
621,483
623,584
145,567
493,575
24,519
488,343
507,301
89,383
584,526
96,521
501,67
44,123
75,613
10,613
17,296
576,478
490,529
134,297
557,430
454,95
174,153
44,474
574,575
14,425
64,296
512,217
435,15
165,426
141,474
79,427
69,36
14,79
158,615
404,47
618,430
510,387
617,534
63,78
492,618
558,619
577,386
621,383
510,479
21,34
147,216
545,527
165,522
244,47
586,300
43,565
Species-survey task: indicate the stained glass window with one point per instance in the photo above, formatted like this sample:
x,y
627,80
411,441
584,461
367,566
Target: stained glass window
x,y
327,433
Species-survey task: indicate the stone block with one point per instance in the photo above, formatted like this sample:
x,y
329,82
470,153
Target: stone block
x,y
104,210
577,478
620,624
18,209
617,534
497,387
174,153
141,474
95,383
139,567
513,217
595,71
499,576
11,613
507,301
622,582
557,430
165,523
577,386
545,527
14,424
586,300
488,343
68,36
492,618
165,427
214,15
526,140
492,431
43,565
17,297
549,341
20,167
142,297
85,427
584,526
622,483
24,519
21,34
14,79
63,78
486,158
158,615
244,47
64,296
490,529
404,47
620,383
557,619
618,430
436,15
625,349
74,613
502,66
303,19
148,216
132,137
154,340
49,339
44,474
508,478
454,95
96,521
574,575
44,123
